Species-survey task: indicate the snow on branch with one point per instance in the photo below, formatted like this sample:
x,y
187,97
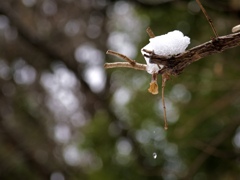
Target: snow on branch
x,y
177,63
167,54
174,65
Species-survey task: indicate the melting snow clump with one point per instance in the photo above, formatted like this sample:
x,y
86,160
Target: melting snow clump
x,y
168,44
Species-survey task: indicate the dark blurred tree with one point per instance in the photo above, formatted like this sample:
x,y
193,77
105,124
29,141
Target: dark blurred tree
x,y
63,116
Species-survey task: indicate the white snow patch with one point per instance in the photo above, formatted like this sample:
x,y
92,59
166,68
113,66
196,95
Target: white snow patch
x,y
168,44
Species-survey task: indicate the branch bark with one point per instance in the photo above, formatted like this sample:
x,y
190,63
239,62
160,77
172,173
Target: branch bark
x,y
137,66
129,64
174,65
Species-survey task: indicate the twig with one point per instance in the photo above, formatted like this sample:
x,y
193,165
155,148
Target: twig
x,y
132,64
208,18
176,64
129,64
131,61
164,80
137,66
150,32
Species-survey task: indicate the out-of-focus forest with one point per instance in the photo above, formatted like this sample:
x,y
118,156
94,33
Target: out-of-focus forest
x,y
64,117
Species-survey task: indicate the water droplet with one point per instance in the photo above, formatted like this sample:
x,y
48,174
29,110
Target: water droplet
x,y
154,155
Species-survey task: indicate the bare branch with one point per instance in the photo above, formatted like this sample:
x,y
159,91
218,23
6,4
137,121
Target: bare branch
x,y
131,61
165,77
129,64
150,32
137,66
208,18
176,64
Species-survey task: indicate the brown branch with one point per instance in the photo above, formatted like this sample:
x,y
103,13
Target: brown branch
x,y
129,60
129,64
174,65
150,32
208,18
165,77
137,66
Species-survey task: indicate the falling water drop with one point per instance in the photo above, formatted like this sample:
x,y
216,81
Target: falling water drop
x,y
154,155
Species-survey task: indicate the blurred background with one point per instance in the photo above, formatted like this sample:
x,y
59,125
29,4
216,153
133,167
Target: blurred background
x,y
63,116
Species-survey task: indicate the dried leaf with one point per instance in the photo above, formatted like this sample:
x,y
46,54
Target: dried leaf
x,y
153,88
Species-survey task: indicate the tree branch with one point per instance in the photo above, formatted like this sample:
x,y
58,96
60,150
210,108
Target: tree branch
x,y
150,32
174,65
137,66
129,64
208,18
129,60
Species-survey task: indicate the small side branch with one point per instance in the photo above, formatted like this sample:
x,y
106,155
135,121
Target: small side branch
x,y
131,61
208,18
176,64
150,32
165,77
129,64
137,66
